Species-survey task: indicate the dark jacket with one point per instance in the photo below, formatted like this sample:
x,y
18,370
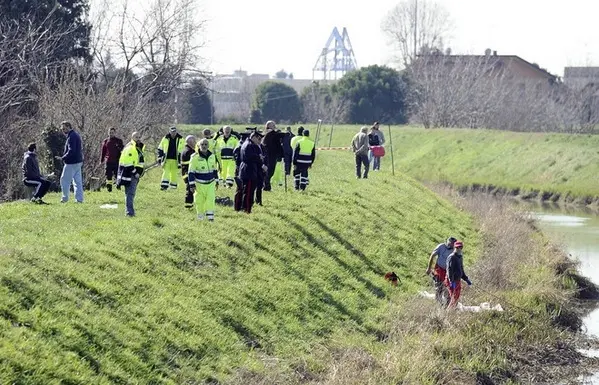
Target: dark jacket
x,y
73,152
31,168
251,161
373,140
455,268
286,141
273,142
237,158
185,159
111,150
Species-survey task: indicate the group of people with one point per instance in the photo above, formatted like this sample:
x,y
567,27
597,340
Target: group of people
x,y
448,271
368,149
72,159
250,160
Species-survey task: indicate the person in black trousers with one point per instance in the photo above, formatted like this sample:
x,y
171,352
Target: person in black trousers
x,y
250,167
273,146
32,176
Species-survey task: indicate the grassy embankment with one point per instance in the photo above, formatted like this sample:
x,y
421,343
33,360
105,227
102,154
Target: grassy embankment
x,y
290,292
551,167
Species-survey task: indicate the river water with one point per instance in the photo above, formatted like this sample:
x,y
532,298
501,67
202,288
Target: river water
x,y
578,231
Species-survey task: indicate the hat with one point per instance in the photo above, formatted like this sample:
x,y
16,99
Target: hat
x,y
256,133
173,129
306,133
458,244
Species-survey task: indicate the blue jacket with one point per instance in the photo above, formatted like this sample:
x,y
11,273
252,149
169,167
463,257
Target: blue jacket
x,y
73,153
251,161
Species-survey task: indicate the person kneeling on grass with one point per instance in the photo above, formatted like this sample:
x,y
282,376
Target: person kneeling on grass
x,y
32,176
202,177
455,274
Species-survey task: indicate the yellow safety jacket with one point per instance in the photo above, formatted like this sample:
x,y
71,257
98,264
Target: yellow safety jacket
x,y
163,147
295,140
129,164
225,146
202,168
304,152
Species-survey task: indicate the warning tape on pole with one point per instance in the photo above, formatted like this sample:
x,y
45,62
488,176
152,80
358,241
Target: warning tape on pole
x,y
333,148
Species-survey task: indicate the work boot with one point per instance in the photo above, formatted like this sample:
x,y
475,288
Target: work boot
x,y
200,217
109,187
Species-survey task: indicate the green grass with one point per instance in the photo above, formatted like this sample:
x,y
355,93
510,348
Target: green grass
x,y
88,296
558,164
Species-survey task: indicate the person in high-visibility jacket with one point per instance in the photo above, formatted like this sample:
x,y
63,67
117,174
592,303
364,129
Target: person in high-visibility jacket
x,y
202,180
225,145
129,172
169,155
211,141
295,139
190,145
304,155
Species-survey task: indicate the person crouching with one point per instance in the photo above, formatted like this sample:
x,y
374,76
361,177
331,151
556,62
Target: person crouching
x,y
202,178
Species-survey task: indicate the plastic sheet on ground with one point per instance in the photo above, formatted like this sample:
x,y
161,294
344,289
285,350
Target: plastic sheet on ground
x,y
109,206
485,306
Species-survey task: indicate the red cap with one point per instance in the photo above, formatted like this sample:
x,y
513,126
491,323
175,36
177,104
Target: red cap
x,y
458,244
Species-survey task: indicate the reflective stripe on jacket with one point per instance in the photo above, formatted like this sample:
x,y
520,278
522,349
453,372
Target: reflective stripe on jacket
x,y
202,168
224,147
128,164
305,152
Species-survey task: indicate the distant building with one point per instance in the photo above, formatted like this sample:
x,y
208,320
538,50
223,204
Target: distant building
x,y
577,78
232,95
513,69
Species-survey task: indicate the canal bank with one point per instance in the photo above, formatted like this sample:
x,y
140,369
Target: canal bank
x,y
577,230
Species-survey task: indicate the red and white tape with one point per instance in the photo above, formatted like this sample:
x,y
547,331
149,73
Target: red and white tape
x,y
333,148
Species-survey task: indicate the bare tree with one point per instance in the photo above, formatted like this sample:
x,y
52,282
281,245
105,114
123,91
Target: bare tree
x,y
414,25
156,47
479,92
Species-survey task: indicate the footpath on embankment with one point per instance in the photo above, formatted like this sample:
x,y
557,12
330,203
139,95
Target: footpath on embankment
x,y
561,168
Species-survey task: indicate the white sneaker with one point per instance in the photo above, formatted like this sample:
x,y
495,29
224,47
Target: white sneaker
x,y
200,217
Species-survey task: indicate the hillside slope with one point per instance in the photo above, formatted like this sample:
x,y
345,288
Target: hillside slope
x,y
89,296
550,166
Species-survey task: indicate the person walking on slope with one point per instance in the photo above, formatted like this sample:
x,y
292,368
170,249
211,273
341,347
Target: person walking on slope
x,y
111,153
442,251
251,165
304,156
32,176
188,151
225,145
202,180
359,145
73,163
377,139
130,170
169,155
455,274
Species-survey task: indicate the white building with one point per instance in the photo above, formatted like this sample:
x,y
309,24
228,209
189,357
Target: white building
x,y
232,95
